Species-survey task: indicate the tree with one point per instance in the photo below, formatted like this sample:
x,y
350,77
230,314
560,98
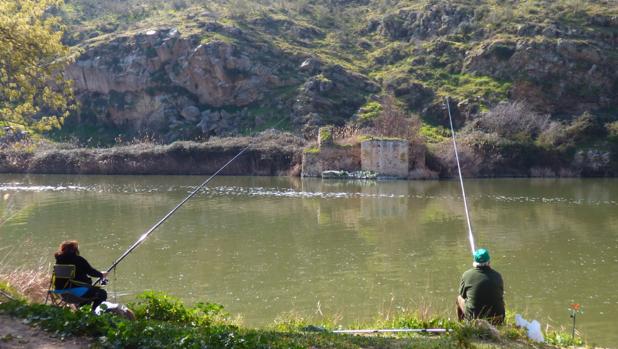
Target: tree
x,y
33,91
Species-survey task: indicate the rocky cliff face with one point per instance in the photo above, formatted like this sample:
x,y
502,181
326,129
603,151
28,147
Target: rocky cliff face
x,y
556,76
161,82
158,80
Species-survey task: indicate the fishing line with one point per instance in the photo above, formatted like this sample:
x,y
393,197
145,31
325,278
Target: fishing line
x,y
145,235
463,191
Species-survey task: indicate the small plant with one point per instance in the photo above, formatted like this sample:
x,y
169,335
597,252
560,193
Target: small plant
x,y
290,322
574,309
434,134
326,135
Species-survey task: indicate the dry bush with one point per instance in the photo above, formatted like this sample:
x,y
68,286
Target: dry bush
x,y
513,120
32,284
349,134
469,159
394,122
554,134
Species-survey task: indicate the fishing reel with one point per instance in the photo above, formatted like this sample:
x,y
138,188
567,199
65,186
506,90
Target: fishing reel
x,y
104,281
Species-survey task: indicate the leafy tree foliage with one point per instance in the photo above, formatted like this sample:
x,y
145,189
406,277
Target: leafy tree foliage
x,y
33,92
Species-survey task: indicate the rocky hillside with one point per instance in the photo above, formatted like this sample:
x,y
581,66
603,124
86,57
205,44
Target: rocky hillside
x,y
538,76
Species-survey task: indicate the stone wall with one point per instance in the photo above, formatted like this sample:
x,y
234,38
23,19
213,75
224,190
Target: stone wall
x,y
331,158
311,165
385,157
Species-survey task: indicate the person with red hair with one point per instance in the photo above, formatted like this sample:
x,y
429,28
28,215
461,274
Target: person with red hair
x,y
68,253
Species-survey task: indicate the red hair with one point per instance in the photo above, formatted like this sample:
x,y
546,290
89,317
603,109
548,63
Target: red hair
x,y
67,247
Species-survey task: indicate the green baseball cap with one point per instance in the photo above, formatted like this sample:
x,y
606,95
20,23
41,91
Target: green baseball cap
x,y
481,255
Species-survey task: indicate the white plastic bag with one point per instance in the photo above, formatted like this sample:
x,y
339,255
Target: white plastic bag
x,y
534,328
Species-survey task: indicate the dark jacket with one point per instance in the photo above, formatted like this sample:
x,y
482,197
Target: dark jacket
x,y
82,270
483,290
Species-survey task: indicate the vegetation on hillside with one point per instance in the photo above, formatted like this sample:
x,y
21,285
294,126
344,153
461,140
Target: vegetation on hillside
x,y
532,83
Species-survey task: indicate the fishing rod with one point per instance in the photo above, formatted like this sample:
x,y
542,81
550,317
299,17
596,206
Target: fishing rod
x,y
463,191
170,213
396,330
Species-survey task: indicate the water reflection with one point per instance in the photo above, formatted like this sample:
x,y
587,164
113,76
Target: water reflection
x,y
262,246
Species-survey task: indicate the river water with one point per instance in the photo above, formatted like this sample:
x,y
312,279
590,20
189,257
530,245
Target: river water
x,y
263,246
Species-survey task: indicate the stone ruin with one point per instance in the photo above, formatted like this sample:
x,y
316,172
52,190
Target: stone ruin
x,y
386,158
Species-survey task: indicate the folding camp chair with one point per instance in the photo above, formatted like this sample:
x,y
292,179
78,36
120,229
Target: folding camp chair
x,y
71,292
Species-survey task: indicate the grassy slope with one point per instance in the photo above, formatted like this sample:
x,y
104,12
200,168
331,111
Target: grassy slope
x,y
163,321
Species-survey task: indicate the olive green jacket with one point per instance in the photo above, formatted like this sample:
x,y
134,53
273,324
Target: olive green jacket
x,y
483,290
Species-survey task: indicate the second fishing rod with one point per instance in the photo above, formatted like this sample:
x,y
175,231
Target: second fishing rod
x,y
463,190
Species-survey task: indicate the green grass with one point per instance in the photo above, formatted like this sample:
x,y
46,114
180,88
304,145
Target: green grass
x,y
212,36
434,134
312,150
364,138
164,321
369,112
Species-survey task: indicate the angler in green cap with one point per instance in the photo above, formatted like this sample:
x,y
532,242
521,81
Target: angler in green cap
x,y
481,294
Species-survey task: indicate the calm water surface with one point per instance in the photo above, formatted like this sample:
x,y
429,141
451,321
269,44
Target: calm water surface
x,y
265,246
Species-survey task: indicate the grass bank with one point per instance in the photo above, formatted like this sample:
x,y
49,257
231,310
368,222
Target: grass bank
x,y
164,322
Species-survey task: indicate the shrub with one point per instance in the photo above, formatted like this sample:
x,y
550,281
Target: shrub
x,y
159,306
394,122
612,130
553,135
434,134
585,128
513,120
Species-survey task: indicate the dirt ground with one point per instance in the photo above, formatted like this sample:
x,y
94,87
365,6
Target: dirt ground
x,y
15,334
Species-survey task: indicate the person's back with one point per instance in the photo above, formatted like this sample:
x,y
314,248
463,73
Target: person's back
x,y
481,291
482,288
82,268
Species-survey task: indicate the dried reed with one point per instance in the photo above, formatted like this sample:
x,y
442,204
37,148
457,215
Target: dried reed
x,y
32,284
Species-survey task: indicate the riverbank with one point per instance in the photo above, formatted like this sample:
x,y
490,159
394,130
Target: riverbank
x,y
269,154
163,322
275,153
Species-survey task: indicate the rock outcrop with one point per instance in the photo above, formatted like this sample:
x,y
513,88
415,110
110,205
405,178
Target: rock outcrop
x,y
161,82
158,80
556,76
434,20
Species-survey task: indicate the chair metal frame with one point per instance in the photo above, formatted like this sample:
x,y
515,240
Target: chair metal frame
x,y
63,297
